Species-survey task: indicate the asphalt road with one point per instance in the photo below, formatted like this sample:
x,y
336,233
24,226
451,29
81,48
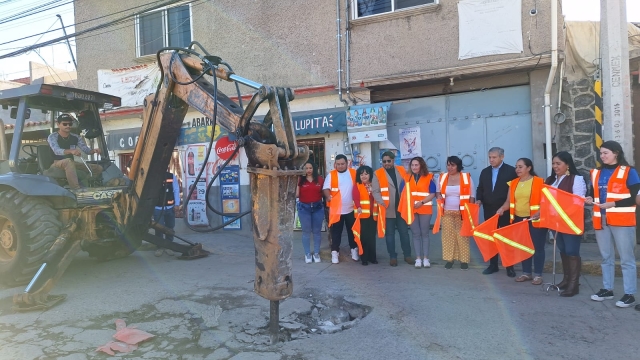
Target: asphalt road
x,y
197,309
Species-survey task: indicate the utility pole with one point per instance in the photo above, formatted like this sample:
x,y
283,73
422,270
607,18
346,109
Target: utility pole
x,y
68,43
616,86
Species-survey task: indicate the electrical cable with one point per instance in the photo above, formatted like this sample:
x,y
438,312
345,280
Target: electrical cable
x,y
33,11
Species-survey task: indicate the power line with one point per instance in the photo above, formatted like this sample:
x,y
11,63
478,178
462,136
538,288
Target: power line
x,y
35,10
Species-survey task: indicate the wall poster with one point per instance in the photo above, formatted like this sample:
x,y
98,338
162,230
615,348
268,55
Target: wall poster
x,y
410,144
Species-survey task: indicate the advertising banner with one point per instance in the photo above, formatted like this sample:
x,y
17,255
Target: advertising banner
x,y
367,123
131,84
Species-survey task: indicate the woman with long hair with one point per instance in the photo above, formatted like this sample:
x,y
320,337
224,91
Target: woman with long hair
x,y
523,203
566,178
456,189
366,208
615,187
310,210
423,190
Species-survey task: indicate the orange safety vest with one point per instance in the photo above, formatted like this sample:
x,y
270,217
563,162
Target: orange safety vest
x,y
416,192
616,190
365,203
335,204
465,187
534,198
381,174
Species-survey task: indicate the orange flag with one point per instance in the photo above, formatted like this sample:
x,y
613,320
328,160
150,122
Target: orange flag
x,y
436,225
406,204
483,235
514,243
469,219
335,208
561,211
356,234
382,220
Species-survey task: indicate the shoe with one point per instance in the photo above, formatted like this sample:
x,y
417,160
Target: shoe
x,y
418,264
490,270
537,280
464,266
574,264
409,260
158,252
307,259
565,272
316,258
169,252
354,254
448,265
426,263
374,261
602,295
365,263
334,257
511,272
626,301
523,278
393,262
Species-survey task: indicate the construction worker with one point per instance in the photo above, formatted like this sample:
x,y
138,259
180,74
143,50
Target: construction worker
x,y
338,193
387,185
164,213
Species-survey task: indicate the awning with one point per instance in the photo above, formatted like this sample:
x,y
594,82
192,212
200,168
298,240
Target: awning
x,y
367,123
318,121
123,139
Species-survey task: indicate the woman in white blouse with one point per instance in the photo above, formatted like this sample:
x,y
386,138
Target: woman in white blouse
x,y
567,178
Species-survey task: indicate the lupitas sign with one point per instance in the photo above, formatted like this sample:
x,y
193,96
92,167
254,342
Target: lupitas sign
x,y
225,147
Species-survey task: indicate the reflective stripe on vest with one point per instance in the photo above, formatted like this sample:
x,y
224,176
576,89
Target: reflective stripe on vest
x,y
616,190
419,191
365,205
465,188
534,198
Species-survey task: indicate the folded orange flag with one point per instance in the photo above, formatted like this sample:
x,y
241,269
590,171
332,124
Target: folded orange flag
x,y
356,234
335,208
469,219
514,243
483,235
561,211
436,225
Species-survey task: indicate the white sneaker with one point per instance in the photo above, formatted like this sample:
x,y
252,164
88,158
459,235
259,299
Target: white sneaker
x,y
354,254
316,258
418,263
159,252
426,263
169,252
307,258
334,257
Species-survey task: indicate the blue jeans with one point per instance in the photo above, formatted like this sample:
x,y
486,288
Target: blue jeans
x,y
539,238
569,244
168,219
311,216
390,236
624,238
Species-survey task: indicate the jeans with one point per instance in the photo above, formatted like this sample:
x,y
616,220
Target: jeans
x,y
420,231
311,216
336,231
390,236
539,238
624,238
569,244
168,219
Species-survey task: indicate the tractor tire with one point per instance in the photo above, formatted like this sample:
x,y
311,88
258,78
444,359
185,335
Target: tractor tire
x,y
28,228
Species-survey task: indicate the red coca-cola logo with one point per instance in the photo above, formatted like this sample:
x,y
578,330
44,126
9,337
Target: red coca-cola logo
x,y
225,147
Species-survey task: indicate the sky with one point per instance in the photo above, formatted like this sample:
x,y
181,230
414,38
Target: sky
x,y
58,55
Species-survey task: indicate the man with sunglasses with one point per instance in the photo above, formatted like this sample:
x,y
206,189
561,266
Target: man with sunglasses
x,y
386,188
65,145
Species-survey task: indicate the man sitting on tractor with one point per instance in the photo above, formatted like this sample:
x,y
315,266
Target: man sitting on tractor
x,y
65,145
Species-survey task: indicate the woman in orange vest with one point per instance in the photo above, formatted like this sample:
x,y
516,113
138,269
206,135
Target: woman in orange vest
x,y
615,187
419,208
457,189
366,208
525,193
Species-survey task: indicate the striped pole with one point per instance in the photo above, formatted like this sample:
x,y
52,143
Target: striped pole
x,y
597,88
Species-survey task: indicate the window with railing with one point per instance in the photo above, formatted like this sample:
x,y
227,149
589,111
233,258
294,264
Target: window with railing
x,y
375,7
161,28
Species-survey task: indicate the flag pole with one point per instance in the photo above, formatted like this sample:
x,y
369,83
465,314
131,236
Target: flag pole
x,y
552,285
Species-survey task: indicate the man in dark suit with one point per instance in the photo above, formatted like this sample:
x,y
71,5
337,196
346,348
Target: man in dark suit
x,y
492,193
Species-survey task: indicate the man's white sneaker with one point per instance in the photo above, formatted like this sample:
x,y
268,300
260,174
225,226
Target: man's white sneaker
x,y
334,257
316,258
307,258
354,254
418,263
426,263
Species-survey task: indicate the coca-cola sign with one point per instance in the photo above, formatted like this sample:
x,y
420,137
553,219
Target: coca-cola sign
x,y
225,147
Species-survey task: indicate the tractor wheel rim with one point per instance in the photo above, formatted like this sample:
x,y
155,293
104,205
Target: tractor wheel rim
x,y
8,244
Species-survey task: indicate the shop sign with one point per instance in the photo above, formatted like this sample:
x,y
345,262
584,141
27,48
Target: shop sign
x,y
367,123
225,147
125,139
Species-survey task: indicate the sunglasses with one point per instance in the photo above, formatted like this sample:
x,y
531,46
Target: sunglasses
x,y
65,124
387,161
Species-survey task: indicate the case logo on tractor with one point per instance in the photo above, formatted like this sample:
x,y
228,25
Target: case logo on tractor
x,y
105,194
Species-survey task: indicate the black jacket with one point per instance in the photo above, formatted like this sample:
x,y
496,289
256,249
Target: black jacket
x,y
494,197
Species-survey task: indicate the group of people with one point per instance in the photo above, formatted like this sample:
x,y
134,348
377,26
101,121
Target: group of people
x,y
390,198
